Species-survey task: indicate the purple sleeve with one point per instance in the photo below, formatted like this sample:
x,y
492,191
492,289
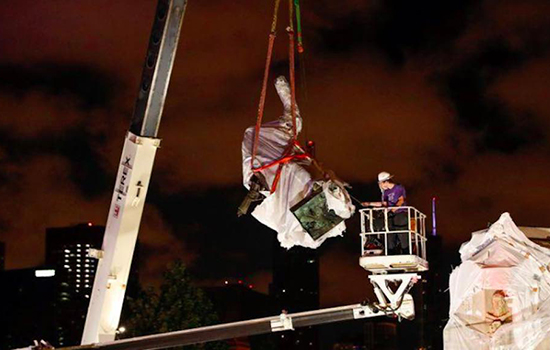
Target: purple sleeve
x,y
401,192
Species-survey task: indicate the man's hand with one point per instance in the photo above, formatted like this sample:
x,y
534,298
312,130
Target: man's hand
x,y
365,204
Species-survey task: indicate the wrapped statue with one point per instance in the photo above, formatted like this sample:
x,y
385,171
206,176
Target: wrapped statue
x,y
300,200
500,293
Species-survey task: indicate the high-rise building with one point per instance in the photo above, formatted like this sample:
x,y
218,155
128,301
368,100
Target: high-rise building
x,y
66,251
238,301
2,256
27,303
380,334
432,307
295,288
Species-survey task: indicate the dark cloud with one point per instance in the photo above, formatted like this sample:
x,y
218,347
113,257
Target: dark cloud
x,y
425,90
467,87
75,145
397,28
90,86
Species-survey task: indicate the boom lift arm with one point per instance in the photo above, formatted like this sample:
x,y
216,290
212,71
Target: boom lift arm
x,y
398,304
133,177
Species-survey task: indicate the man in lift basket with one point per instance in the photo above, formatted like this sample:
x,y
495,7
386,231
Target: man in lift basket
x,y
394,196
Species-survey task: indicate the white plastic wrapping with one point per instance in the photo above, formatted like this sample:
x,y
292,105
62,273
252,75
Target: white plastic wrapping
x,y
295,181
500,294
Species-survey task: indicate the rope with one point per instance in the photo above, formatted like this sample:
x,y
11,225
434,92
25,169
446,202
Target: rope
x,y
263,93
288,155
275,12
304,100
291,46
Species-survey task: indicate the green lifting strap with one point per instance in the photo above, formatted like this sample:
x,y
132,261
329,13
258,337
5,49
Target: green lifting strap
x,y
299,26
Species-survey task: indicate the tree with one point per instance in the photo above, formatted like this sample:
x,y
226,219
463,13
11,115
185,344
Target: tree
x,y
177,305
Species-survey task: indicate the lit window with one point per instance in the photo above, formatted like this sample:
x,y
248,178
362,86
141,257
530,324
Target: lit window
x,y
44,273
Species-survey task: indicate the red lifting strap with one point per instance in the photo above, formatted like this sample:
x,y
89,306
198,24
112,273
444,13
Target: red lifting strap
x,y
283,160
261,105
288,155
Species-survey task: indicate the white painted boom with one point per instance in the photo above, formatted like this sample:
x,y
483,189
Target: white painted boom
x,y
133,177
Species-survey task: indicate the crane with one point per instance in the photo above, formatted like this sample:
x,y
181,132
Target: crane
x,y
134,173
386,269
128,200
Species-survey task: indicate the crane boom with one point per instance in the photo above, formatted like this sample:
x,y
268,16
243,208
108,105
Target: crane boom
x,y
264,325
133,177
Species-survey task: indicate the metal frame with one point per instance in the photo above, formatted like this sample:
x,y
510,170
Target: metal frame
x,y
134,174
387,298
415,261
418,231
397,304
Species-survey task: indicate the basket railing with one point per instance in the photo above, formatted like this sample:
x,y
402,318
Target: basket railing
x,y
415,228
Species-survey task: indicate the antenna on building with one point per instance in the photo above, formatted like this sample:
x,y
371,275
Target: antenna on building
x,y
434,221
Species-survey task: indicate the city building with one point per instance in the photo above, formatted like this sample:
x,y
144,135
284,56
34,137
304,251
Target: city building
x,y
66,252
295,288
381,334
238,301
27,302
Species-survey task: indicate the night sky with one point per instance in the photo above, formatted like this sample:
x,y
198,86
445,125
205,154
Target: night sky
x,y
451,96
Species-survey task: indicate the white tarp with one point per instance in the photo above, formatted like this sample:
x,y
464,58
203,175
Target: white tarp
x,y
500,293
295,181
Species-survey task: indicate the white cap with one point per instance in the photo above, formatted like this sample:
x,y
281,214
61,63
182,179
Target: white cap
x,y
384,176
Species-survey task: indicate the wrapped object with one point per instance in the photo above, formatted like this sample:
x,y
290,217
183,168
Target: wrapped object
x,y
295,182
500,293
